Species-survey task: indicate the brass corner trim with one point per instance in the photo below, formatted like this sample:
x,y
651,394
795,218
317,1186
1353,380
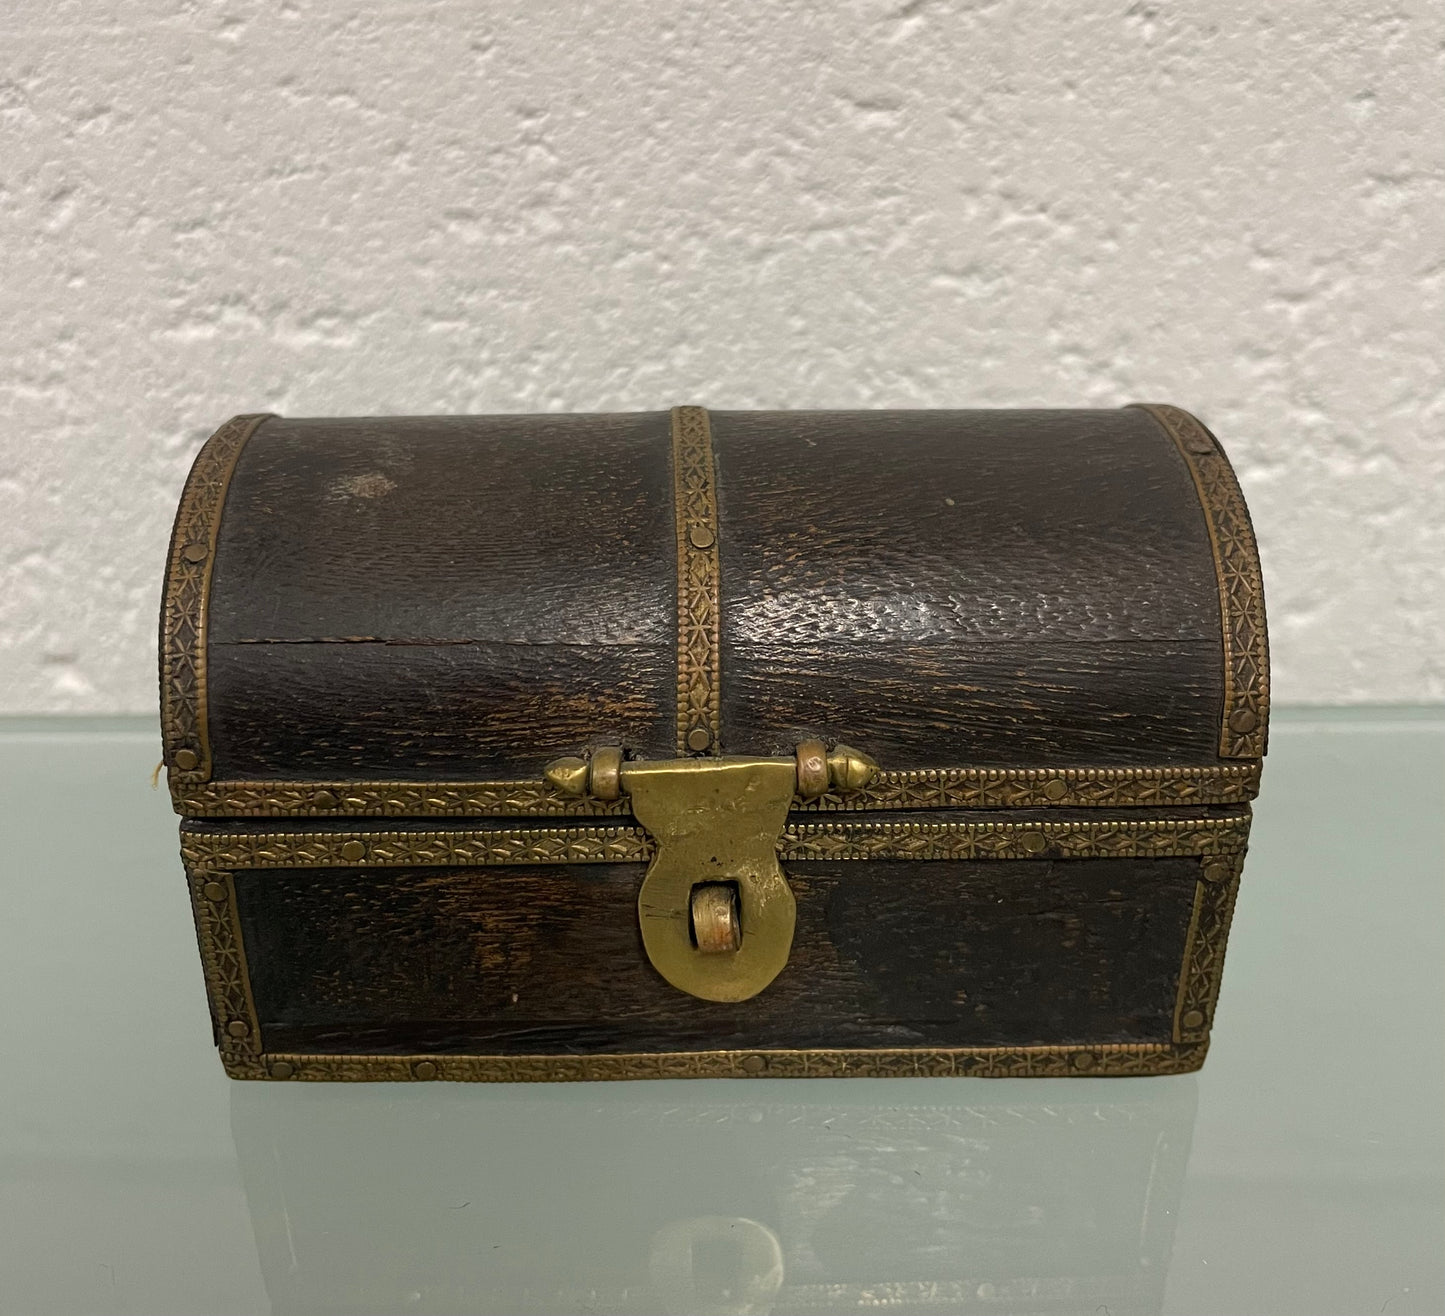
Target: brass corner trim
x,y
185,734
1244,722
1107,1060
1204,946
915,789
698,574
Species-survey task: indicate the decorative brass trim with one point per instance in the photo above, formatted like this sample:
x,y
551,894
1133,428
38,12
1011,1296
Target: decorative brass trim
x,y
228,977
1244,723
801,842
1027,788
533,845
1113,1059
184,732
382,799
1214,897
698,607
836,841
930,788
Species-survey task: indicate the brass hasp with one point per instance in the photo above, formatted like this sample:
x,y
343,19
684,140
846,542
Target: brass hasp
x,y
716,911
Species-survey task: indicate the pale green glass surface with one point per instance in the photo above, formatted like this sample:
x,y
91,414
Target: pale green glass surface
x,y
1303,1170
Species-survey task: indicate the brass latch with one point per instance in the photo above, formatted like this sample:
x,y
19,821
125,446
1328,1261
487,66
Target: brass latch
x,y
716,911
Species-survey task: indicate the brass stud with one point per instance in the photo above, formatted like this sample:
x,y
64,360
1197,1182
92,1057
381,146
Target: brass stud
x,y
195,552
604,777
753,1065
282,1069
238,1028
812,757
424,1069
1084,1060
353,851
699,739
1193,1019
1056,788
1034,842
850,769
187,760
1217,871
1243,720
700,536
213,891
567,775
324,800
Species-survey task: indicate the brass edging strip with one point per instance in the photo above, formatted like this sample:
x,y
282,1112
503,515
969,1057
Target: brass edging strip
x,y
1204,947
933,788
698,606
1113,1060
184,732
802,842
1244,724
223,955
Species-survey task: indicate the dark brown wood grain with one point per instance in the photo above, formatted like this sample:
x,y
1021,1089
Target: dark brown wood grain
x,y
537,960
404,598
989,587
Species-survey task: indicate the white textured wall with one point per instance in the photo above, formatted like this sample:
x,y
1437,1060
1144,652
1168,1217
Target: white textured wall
x,y
400,206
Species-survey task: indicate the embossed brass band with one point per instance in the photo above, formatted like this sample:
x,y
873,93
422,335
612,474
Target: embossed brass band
x,y
933,788
184,731
1109,1060
831,841
1244,722
698,605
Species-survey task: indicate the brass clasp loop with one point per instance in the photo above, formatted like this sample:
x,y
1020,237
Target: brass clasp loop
x,y
716,911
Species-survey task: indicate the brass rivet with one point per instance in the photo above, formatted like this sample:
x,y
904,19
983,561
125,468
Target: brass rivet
x,y
1216,872
238,1028
282,1069
701,537
1243,720
753,1065
424,1069
187,760
1084,1060
699,738
195,552
1193,1019
1056,788
214,891
324,800
1034,842
352,851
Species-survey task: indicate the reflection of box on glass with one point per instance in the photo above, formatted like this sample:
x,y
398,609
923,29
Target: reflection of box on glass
x,y
558,1200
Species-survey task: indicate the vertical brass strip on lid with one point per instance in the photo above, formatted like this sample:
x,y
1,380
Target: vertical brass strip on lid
x,y
695,504
184,731
1244,723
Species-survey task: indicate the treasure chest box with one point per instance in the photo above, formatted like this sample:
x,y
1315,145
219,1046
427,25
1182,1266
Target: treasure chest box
x,y
713,743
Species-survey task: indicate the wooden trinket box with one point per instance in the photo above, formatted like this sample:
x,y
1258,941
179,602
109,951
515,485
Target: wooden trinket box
x,y
713,743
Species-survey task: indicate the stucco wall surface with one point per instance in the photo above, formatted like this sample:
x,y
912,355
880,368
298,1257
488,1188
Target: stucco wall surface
x,y
399,206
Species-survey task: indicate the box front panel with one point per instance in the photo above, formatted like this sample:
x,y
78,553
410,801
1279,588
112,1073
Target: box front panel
x,y
548,960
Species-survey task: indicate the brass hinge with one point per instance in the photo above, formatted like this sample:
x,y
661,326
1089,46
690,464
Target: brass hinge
x,y
716,911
